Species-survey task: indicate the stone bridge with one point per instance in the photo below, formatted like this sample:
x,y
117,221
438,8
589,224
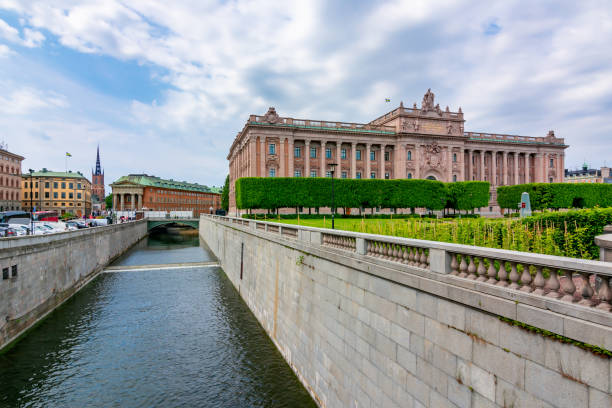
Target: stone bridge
x,y
156,222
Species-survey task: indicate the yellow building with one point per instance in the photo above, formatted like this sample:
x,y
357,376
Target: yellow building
x,y
59,191
586,175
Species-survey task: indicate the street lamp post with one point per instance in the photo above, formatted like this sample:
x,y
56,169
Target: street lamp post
x,y
31,205
332,169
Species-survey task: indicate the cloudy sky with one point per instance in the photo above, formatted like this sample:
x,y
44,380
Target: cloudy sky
x,y
164,86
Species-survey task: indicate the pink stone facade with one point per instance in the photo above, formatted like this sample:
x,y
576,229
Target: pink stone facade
x,y
10,180
425,142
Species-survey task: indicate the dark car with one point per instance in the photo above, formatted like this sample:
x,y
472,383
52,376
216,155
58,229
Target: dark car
x,y
220,212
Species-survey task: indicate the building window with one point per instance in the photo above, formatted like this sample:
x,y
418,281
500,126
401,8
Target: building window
x,y
358,154
454,177
313,152
297,173
358,174
455,157
46,194
272,172
63,185
409,175
55,184
70,195
344,174
46,184
373,175
409,155
343,154
70,185
272,148
387,156
36,184
36,194
297,152
550,180
552,163
313,173
79,196
386,176
328,174
55,195
25,184
372,155
79,186
328,154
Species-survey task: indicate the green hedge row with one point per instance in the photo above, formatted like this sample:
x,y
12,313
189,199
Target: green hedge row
x,y
556,195
290,192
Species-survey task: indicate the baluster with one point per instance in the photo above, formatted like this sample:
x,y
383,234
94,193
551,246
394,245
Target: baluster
x,y
514,276
552,284
427,260
384,250
405,256
472,269
491,272
502,275
369,248
454,265
526,279
395,253
604,293
423,263
463,267
568,287
411,256
587,291
376,249
539,281
481,271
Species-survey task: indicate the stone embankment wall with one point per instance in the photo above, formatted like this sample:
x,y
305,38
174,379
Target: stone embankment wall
x,y
41,272
363,332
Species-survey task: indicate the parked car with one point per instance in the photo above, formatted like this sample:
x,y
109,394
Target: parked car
x,y
7,232
21,229
74,224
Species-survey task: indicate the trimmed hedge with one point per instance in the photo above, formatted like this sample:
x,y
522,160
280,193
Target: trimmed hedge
x,y
556,195
279,192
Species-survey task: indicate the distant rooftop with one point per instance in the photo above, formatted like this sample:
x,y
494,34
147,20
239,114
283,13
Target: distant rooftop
x,y
152,181
50,173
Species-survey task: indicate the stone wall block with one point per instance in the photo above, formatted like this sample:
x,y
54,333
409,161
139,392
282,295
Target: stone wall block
x,y
483,382
449,338
483,325
598,399
410,320
507,395
539,318
554,388
576,363
406,359
433,377
503,364
459,394
521,342
427,305
451,314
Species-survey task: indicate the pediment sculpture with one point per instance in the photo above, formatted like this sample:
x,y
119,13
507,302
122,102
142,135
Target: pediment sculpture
x,y
271,116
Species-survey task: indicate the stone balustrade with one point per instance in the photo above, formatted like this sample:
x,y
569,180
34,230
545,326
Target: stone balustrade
x,y
576,287
255,119
512,138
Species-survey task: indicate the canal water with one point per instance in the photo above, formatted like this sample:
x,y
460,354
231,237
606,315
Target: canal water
x,y
153,338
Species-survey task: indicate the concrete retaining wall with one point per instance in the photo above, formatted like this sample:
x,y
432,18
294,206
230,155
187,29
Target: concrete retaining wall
x,y
361,334
40,272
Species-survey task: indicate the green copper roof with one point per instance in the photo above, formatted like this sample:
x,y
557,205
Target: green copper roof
x,y
152,181
49,173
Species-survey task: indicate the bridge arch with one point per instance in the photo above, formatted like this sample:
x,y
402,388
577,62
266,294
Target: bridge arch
x,y
154,223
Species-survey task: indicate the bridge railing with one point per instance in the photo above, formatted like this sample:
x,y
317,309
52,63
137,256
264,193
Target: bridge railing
x,y
574,287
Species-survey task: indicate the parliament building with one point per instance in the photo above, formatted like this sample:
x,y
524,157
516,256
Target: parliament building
x,y
419,142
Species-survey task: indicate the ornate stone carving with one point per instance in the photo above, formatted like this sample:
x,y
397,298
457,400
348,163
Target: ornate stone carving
x,y
410,125
271,116
428,101
433,154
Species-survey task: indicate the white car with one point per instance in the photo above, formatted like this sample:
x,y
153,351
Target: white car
x,y
21,229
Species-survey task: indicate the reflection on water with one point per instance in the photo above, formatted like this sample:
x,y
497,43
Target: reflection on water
x,y
161,338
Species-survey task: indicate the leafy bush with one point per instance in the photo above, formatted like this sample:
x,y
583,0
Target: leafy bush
x,y
225,195
278,192
556,195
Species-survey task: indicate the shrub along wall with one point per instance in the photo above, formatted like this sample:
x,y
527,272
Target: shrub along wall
x,y
556,195
290,192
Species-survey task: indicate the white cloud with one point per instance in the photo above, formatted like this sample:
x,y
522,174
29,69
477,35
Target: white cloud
x,y
25,100
541,66
5,51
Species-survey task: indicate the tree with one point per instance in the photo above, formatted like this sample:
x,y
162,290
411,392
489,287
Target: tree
x,y
109,201
225,195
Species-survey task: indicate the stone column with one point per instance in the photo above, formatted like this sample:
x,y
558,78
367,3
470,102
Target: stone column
x,y
339,158
115,201
323,169
120,203
505,168
516,168
262,158
528,168
353,160
307,158
537,167
291,159
461,164
470,165
449,155
367,160
282,157
417,161
482,165
560,168
382,161
545,158
494,167
252,158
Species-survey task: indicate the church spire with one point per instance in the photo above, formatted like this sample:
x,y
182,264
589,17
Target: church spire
x,y
98,167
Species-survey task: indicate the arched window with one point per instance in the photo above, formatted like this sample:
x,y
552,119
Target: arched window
x,y
409,175
454,177
409,155
431,178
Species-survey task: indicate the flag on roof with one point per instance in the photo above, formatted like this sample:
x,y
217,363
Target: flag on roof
x,y
387,99
68,154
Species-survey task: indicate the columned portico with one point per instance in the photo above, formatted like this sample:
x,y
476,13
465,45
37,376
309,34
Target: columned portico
x,y
323,168
307,158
